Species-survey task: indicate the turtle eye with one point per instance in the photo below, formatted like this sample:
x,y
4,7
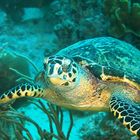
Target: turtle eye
x,y
45,66
66,68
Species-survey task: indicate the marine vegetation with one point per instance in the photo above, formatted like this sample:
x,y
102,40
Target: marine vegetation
x,y
8,62
124,16
55,116
99,74
15,123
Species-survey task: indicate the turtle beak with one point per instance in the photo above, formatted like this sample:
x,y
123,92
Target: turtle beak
x,y
56,80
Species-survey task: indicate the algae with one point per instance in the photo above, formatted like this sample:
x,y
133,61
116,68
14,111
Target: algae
x,y
124,16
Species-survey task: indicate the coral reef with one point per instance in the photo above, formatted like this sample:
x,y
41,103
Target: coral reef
x,y
74,20
77,20
103,126
123,15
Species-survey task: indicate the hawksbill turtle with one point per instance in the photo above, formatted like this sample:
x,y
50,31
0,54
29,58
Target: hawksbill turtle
x,y
101,74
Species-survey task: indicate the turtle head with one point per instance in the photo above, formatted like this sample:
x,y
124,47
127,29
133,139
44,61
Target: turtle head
x,y
60,72
69,84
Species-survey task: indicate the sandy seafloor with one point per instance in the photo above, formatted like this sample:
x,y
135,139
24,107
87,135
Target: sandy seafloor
x,y
31,40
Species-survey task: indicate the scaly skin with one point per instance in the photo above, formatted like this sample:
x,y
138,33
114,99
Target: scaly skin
x,y
90,93
94,98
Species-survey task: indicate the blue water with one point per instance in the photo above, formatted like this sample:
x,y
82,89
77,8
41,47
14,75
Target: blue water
x,y
34,29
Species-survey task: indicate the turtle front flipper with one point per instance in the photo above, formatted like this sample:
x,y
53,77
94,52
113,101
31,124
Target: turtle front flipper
x,y
127,111
23,90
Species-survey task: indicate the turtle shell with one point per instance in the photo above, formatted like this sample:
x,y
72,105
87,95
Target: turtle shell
x,y
117,57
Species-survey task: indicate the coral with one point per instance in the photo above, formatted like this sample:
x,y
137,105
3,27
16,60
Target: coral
x,y
76,20
66,29
123,15
103,126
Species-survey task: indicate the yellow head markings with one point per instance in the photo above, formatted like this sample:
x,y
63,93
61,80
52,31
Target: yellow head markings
x,y
56,81
60,71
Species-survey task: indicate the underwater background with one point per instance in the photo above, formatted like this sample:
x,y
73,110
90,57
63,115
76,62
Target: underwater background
x,y
32,29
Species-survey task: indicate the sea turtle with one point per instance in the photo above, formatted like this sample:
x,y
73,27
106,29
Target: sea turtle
x,y
101,74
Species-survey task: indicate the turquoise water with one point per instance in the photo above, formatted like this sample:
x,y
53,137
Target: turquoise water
x,y
34,29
